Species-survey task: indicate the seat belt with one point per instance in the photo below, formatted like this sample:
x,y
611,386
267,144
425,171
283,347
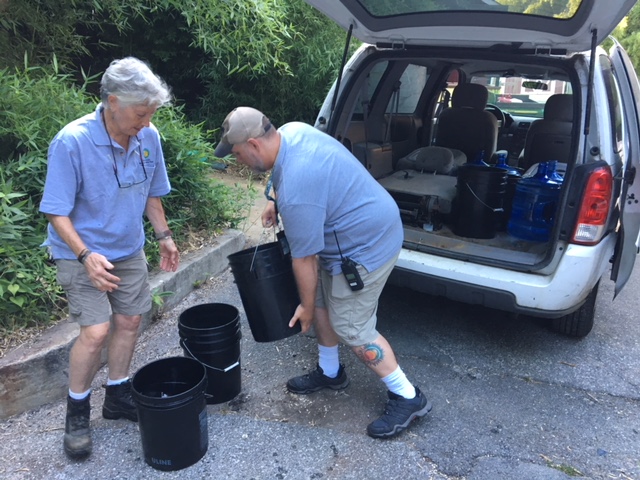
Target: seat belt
x,y
445,97
395,106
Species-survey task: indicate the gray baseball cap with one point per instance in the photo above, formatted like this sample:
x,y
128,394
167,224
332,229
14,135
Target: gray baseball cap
x,y
240,125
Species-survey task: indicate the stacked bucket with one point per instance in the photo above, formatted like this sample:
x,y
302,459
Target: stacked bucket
x,y
210,333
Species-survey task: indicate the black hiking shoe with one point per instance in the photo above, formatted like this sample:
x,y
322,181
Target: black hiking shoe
x,y
118,402
316,380
77,429
398,414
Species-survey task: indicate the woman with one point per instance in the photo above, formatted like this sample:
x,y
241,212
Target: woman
x,y
105,171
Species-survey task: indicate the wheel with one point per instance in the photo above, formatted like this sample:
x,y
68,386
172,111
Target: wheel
x,y
579,323
499,114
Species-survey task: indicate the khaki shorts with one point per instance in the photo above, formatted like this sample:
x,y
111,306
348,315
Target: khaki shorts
x,y
353,314
89,306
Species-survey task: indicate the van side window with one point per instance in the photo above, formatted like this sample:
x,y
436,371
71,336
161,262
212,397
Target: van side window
x,y
412,83
613,97
367,93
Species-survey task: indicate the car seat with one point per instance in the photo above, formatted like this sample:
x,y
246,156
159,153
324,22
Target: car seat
x,y
466,125
550,137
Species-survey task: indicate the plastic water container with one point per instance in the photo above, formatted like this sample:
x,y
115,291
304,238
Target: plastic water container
x,y
502,163
479,159
534,204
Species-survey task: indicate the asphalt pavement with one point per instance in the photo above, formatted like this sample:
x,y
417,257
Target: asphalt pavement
x,y
512,400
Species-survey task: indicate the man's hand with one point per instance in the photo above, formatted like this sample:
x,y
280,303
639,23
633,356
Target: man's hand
x,y
269,215
304,316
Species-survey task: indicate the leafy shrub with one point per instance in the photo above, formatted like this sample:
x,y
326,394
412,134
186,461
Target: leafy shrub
x,y
27,284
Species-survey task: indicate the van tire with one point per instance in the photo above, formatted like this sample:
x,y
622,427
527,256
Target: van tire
x,y
579,323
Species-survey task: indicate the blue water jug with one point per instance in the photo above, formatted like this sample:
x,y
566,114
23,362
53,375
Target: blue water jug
x,y
534,204
502,163
479,159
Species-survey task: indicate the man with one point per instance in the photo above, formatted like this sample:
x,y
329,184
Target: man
x,y
105,170
345,235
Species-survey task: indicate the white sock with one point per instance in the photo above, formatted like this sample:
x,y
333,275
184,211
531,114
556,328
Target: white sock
x,y
79,396
116,382
398,383
329,360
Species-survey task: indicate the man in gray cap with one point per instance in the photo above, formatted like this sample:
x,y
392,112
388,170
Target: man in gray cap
x,y
345,234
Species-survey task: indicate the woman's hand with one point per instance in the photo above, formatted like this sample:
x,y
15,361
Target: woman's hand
x,y
169,255
98,268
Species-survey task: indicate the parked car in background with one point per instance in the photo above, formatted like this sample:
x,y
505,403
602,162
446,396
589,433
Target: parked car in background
x,y
510,140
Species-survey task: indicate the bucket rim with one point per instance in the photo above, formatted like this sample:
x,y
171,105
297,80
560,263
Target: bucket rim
x,y
259,248
183,327
233,310
172,400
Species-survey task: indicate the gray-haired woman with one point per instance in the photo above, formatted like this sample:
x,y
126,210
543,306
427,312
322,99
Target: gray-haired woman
x,y
105,171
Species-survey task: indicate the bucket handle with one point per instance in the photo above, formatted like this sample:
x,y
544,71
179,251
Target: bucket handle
x,y
494,210
262,237
224,370
277,236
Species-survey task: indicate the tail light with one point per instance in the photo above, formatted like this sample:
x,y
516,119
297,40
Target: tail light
x,y
594,208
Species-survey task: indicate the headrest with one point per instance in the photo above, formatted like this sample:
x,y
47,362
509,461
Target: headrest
x,y
470,95
559,107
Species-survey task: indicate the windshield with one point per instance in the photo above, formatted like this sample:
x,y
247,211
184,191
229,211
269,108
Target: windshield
x,y
562,9
519,96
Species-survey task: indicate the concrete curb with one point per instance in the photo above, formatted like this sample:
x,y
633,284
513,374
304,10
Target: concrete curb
x,y
35,374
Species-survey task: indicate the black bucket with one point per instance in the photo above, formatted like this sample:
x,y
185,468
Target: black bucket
x,y
478,206
268,290
172,412
510,192
210,333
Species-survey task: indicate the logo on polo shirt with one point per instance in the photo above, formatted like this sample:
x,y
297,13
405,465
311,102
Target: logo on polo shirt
x,y
145,153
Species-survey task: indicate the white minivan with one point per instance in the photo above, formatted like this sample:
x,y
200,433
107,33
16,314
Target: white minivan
x,y
510,140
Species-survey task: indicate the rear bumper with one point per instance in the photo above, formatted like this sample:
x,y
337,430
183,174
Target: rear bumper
x,y
549,296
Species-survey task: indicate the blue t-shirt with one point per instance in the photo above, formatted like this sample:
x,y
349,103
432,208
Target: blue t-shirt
x,y
81,184
323,191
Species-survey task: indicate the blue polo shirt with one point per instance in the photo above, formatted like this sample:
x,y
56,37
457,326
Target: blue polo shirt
x,y
82,184
324,192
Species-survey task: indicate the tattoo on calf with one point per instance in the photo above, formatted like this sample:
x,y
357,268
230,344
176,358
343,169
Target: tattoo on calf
x,y
371,354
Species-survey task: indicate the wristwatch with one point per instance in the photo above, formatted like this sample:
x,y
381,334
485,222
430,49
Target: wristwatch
x,y
163,235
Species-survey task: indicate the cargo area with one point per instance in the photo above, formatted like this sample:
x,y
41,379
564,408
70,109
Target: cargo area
x,y
460,142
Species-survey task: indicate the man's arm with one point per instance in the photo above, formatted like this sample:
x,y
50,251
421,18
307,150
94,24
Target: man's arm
x,y
305,270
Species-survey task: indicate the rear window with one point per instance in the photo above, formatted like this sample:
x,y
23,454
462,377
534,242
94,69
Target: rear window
x,y
563,9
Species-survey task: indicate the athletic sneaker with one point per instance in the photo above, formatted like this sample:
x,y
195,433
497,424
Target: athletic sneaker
x,y
316,380
398,414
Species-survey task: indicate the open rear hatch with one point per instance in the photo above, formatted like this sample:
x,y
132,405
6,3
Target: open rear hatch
x,y
560,25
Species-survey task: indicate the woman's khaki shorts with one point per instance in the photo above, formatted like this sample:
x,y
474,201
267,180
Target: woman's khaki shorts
x,y
89,306
353,314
